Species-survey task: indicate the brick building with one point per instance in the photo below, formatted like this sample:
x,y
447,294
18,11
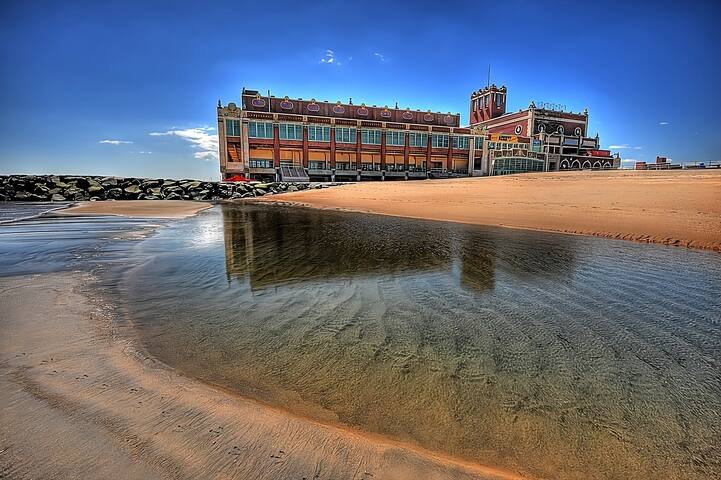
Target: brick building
x,y
269,138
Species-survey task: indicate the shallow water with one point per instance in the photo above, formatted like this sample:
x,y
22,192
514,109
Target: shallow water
x,y
561,356
558,356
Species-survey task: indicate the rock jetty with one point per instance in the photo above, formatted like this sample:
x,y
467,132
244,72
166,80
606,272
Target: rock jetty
x,y
60,188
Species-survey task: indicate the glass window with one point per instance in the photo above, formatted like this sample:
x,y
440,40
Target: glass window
x,y
371,137
460,142
440,140
291,131
232,128
345,134
418,139
479,142
395,137
260,163
317,133
260,130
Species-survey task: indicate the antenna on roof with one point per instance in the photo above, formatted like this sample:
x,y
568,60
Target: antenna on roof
x,y
489,76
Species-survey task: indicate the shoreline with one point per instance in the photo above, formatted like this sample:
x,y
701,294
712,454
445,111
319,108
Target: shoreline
x,y
669,208
137,208
77,372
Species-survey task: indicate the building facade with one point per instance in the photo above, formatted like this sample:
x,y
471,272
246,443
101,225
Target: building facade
x,y
554,137
272,138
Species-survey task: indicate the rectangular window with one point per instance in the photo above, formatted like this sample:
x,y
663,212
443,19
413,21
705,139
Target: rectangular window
x,y
260,163
396,138
317,133
260,130
291,131
440,140
479,142
345,135
371,137
460,143
232,128
418,139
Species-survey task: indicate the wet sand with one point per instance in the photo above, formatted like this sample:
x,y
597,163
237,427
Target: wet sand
x,y
672,207
139,208
80,401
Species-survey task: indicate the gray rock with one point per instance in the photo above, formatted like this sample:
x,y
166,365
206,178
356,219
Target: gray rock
x,y
56,197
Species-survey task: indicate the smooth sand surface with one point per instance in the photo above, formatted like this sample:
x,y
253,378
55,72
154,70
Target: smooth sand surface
x,y
79,400
138,208
669,207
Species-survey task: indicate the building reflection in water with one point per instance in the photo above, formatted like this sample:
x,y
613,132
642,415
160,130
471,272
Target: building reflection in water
x,y
276,245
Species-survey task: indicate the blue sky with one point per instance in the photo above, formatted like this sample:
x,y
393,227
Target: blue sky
x,y
81,78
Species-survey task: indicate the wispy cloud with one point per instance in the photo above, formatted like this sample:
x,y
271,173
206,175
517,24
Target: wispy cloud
x,y
663,123
624,146
329,58
380,56
114,142
199,137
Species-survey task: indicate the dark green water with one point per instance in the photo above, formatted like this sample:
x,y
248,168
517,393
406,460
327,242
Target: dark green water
x,y
562,356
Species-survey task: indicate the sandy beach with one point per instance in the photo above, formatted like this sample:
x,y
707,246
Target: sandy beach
x,y
80,401
668,207
138,208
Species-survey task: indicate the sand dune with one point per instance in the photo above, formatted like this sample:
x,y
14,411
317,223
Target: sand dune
x,y
672,207
78,401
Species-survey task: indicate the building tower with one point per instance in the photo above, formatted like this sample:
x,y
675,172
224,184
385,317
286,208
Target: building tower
x,y
488,103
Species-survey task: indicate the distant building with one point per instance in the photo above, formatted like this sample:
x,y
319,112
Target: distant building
x,y
270,138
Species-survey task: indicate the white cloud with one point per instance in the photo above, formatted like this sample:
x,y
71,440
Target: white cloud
x,y
199,137
380,56
329,58
145,153
114,142
663,123
624,146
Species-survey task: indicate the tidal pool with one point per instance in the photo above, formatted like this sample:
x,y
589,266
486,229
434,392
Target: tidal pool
x,y
558,356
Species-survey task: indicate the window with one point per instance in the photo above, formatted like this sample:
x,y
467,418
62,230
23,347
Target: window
x,y
440,140
395,137
232,128
371,137
291,131
345,134
260,163
479,142
460,142
260,130
499,100
318,133
418,139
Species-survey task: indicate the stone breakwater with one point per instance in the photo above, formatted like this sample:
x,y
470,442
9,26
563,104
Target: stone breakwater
x,y
60,188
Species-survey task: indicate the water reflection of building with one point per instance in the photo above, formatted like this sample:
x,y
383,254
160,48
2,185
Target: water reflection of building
x,y
273,246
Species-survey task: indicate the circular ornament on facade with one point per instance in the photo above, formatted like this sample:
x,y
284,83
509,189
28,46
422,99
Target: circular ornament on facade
x,y
362,111
258,102
541,128
286,104
407,115
428,117
448,119
338,109
312,106
518,129
577,131
560,129
385,113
